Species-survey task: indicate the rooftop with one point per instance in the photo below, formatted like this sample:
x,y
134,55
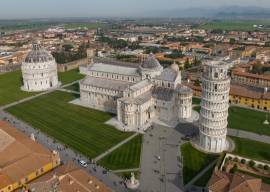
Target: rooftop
x,y
19,156
69,178
168,74
116,69
38,54
106,83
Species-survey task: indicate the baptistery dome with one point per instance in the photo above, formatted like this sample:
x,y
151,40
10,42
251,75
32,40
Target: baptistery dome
x,y
38,54
39,70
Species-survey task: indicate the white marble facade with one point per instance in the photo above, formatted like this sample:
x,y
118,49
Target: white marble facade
x,y
39,70
214,106
137,94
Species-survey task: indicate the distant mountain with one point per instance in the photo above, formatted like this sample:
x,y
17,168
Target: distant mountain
x,y
228,12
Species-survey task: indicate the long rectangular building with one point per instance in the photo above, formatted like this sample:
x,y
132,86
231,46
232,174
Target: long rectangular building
x,y
22,159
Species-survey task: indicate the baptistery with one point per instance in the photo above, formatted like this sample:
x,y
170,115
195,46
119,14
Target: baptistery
x,y
39,70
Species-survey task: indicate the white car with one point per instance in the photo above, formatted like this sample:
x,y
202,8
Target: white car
x,y
82,163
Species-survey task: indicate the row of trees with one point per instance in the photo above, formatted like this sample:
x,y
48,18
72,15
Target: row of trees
x,y
67,54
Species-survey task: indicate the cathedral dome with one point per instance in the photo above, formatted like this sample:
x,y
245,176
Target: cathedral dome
x,y
151,62
174,67
38,55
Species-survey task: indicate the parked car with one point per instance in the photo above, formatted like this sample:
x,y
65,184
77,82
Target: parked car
x,y
82,163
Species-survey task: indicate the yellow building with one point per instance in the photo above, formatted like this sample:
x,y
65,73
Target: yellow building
x,y
250,97
22,159
244,96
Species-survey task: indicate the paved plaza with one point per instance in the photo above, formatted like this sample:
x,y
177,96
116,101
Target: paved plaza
x,y
161,161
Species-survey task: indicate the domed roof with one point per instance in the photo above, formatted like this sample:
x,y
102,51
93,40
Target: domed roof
x,y
38,54
174,67
151,62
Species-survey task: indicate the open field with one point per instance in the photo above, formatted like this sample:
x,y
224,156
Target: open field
x,y
125,157
237,25
246,120
10,85
84,25
74,87
80,128
70,76
252,149
9,26
194,161
10,88
203,180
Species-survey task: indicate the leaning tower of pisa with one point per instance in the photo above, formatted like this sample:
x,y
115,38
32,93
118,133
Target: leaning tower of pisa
x,y
214,106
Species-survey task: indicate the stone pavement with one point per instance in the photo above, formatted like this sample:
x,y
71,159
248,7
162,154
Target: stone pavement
x,y
164,174
249,135
126,170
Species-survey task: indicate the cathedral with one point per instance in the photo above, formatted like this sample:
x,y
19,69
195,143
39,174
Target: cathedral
x,y
138,94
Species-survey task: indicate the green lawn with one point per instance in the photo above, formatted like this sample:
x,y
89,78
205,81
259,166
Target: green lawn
x,y
74,87
81,128
252,149
84,25
10,88
203,180
70,76
248,120
125,157
194,161
10,85
196,101
236,25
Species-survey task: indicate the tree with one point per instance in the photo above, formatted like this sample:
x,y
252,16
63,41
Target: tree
x,y
197,82
251,163
67,47
232,41
243,161
175,54
187,63
149,50
257,68
234,169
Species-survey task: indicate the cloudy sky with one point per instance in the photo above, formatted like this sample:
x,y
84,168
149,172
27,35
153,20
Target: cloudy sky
x,y
99,8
